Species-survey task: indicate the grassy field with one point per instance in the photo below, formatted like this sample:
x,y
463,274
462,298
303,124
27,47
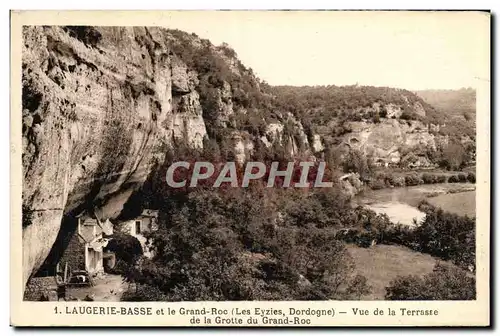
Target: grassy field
x,y
382,263
463,203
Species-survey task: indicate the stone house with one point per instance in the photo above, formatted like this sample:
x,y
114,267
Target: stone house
x,y
85,250
138,227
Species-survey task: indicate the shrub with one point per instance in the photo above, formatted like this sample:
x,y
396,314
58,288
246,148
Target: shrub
x,y
383,112
429,179
87,34
377,184
143,293
462,178
453,179
407,115
397,181
397,234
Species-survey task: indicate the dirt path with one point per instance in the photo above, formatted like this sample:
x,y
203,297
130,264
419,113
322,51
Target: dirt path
x,y
109,287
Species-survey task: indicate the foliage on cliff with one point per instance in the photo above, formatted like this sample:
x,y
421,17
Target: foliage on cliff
x,y
219,70
233,98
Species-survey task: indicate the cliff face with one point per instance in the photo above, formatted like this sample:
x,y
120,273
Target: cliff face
x,y
94,115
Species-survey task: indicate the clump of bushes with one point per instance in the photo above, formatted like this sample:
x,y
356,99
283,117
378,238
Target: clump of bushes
x,y
384,180
429,179
441,178
397,181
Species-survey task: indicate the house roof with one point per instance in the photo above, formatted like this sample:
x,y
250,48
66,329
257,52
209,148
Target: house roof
x,y
149,213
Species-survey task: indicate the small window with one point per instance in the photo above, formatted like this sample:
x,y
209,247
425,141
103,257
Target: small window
x,y
137,227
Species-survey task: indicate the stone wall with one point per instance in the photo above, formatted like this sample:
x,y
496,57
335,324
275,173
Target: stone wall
x,y
37,288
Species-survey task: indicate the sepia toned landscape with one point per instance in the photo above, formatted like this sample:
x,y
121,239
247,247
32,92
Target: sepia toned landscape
x,y
107,110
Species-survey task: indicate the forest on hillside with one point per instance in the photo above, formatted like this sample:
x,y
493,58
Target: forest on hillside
x,y
455,108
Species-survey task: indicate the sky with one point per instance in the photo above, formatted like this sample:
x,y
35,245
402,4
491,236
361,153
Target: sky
x,y
411,50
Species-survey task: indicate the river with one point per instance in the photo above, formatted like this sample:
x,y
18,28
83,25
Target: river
x,y
400,204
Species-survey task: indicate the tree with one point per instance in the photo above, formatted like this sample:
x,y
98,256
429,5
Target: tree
x,y
355,161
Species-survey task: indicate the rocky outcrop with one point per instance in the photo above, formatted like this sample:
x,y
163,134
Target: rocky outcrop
x,y
186,122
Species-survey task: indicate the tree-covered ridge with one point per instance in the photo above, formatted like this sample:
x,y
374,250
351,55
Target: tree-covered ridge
x,y
262,243
454,108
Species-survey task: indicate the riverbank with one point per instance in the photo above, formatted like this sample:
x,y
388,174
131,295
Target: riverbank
x,y
401,204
